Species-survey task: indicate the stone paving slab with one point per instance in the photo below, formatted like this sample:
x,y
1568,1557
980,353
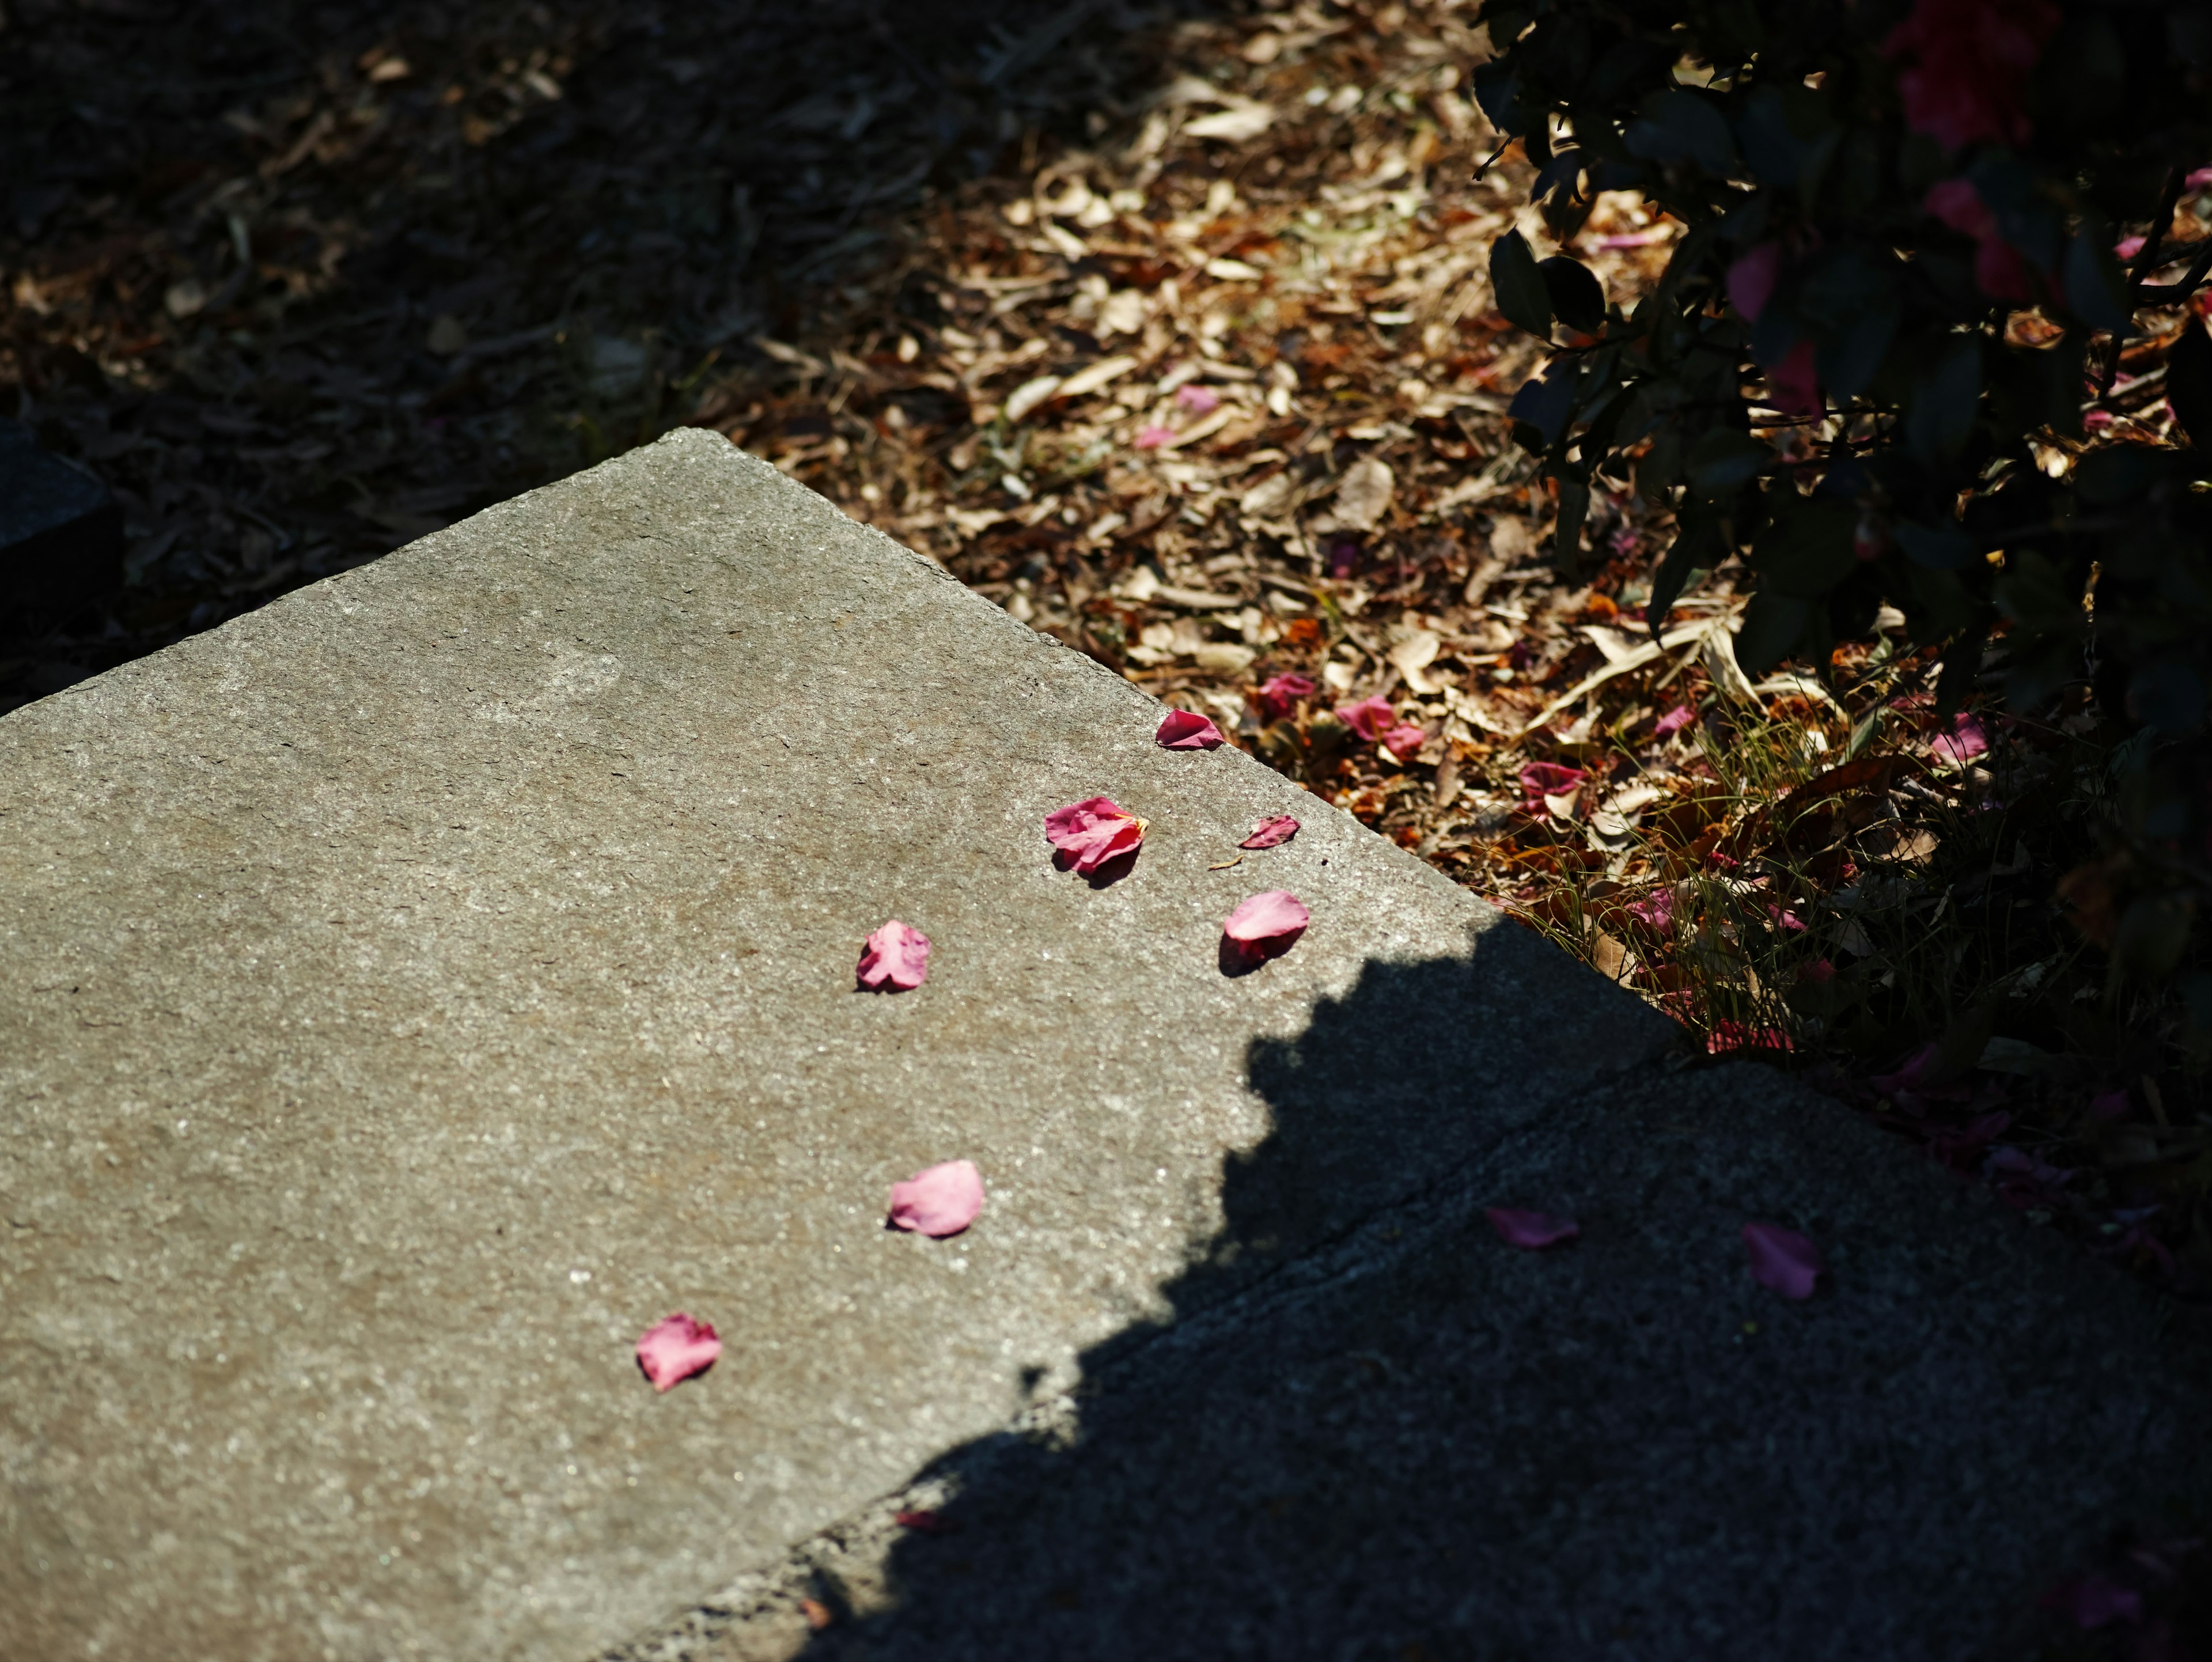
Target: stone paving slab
x,y
1420,1442
413,989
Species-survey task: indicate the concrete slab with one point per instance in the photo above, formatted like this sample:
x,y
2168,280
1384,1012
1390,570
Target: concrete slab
x,y
413,989
1418,1442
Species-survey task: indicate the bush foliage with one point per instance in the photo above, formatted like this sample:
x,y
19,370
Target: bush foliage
x,y
1876,366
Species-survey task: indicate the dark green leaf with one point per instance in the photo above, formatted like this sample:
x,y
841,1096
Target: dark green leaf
x,y
1547,402
1723,462
1567,539
1519,286
2188,384
1805,548
1498,89
1577,297
1677,126
1696,546
2094,287
1938,547
1772,625
1962,668
1945,401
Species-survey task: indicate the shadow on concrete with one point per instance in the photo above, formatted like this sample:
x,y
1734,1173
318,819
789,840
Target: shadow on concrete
x,y
1403,1440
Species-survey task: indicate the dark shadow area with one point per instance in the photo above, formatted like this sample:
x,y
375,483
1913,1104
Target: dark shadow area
x,y
300,283
1374,1430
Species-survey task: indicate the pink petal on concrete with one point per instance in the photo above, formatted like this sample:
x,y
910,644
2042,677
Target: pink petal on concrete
x,y
1530,1229
1093,832
1269,832
674,1350
1268,924
1404,740
1370,718
895,956
941,1201
1183,729
1782,1259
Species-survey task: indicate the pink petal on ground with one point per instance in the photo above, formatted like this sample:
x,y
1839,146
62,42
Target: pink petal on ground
x,y
895,956
1279,695
1782,1259
1370,718
1751,280
1183,729
1151,438
1093,832
1655,909
1673,721
673,1350
1404,740
1965,741
2198,180
1199,401
1795,382
1269,832
2113,1104
1268,924
1959,205
1819,971
1728,1037
1541,779
2127,247
1530,1229
941,1201
2095,1601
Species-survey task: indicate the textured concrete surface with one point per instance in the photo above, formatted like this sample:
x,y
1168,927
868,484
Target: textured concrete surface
x,y
1418,1442
410,991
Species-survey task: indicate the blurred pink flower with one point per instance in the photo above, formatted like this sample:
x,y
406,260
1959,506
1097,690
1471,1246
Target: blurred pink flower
x,y
1673,721
1966,65
2000,270
1199,401
1404,740
1782,1259
1752,278
1370,718
1541,779
1151,438
1283,691
1795,383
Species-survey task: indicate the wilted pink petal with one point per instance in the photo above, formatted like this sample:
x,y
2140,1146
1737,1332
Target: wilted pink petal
x,y
1370,718
2127,247
1199,401
1782,1259
2113,1104
1959,205
673,1350
1541,779
1151,438
941,1201
1655,909
928,1522
1268,832
1795,384
2095,1601
1819,971
2198,180
1728,1037
1093,832
2001,272
1404,740
1966,740
1965,65
1278,697
1267,925
896,955
1530,1229
1183,729
1673,721
1783,920
1751,280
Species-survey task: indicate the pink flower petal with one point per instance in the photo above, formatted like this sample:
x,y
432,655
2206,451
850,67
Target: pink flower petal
x,y
1782,1259
1541,779
1279,695
1370,718
2112,1105
1751,280
941,1201
1267,925
1269,832
1655,909
674,1350
1959,205
2127,247
1183,729
1820,971
2095,1601
1794,383
895,956
1093,832
1530,1229
1404,740
1151,438
1728,1037
1965,741
1199,401
1673,721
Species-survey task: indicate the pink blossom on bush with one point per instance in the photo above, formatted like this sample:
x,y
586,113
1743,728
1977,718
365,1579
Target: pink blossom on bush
x,y
1966,66
1282,693
1751,280
1794,384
